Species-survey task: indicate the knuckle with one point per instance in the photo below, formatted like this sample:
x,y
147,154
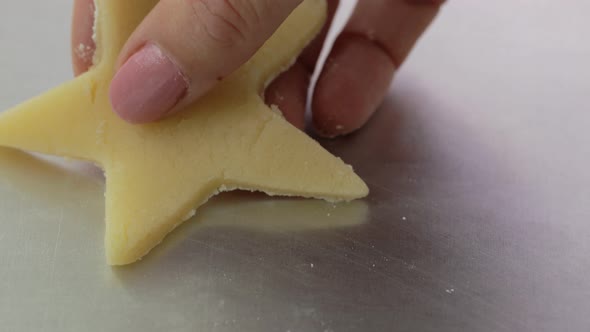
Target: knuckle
x,y
223,21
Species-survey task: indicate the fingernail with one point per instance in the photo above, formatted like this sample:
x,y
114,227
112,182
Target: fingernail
x,y
147,86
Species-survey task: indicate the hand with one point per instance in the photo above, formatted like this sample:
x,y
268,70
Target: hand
x,y
218,36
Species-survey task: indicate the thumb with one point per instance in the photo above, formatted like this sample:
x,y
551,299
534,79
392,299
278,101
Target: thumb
x,y
183,47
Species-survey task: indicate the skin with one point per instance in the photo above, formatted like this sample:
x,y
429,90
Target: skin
x,y
354,82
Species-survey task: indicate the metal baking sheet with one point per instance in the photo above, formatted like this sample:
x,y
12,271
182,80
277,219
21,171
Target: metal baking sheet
x,y
478,218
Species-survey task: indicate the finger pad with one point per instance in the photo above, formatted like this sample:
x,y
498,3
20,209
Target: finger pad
x,y
354,82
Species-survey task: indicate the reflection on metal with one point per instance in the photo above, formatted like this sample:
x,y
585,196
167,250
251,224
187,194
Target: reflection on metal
x,y
53,182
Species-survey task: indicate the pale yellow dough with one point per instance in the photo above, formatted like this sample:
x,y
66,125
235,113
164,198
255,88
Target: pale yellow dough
x,y
157,174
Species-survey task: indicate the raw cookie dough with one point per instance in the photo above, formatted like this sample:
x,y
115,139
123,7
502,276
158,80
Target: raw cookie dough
x,y
158,173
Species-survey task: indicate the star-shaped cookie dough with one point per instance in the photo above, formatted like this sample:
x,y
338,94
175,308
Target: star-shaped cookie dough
x,y
157,174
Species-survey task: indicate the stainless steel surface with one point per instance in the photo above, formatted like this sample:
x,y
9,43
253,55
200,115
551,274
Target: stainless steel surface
x,y
479,216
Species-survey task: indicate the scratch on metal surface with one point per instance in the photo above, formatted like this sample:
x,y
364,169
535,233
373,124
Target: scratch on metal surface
x,y
372,248
57,241
209,283
433,277
380,186
284,270
391,191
